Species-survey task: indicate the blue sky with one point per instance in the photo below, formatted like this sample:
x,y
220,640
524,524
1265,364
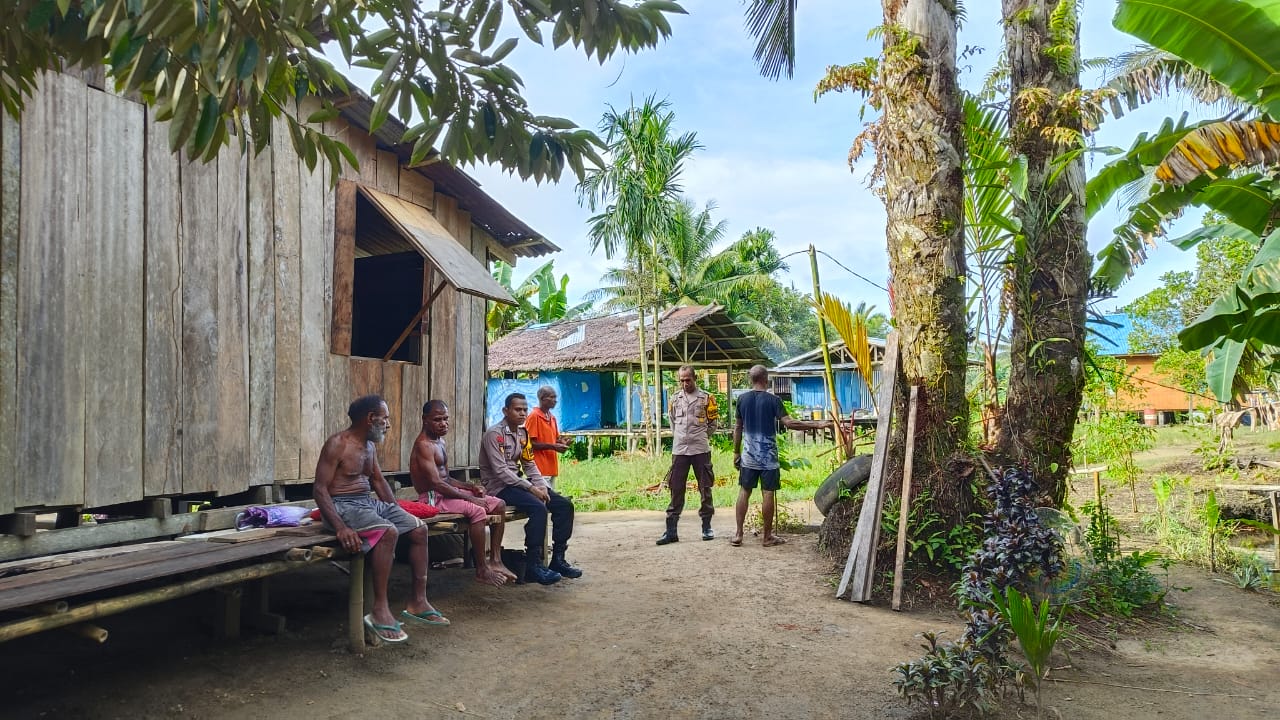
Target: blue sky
x,y
773,157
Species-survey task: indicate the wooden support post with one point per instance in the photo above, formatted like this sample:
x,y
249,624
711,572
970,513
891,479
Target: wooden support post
x,y
226,614
355,604
159,508
260,495
20,524
1275,539
257,613
900,562
67,518
627,404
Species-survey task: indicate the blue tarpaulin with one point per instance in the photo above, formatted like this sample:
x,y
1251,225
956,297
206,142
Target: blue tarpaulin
x,y
579,395
811,392
637,413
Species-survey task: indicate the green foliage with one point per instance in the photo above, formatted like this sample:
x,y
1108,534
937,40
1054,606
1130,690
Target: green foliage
x,y
1191,530
1103,533
224,71
931,542
1037,630
1251,573
540,298
951,678
621,482
1233,41
1125,585
1234,44
1115,438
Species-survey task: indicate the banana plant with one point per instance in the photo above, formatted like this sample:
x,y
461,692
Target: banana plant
x,y
1227,165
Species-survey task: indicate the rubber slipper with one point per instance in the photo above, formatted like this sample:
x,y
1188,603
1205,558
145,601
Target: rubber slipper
x,y
736,542
774,541
430,617
381,630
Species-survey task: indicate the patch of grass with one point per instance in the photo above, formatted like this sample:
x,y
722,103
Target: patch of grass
x,y
622,482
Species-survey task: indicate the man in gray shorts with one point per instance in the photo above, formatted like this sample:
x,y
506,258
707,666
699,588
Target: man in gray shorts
x,y
347,472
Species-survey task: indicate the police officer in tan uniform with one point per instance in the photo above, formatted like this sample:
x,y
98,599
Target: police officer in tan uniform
x,y
693,413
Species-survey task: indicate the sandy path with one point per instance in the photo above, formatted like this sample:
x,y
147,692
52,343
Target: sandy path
x,y
693,630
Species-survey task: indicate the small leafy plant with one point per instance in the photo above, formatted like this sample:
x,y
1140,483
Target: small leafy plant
x,y
950,678
1037,631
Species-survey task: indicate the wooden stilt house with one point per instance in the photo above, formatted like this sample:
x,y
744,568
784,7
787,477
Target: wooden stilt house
x,y
174,328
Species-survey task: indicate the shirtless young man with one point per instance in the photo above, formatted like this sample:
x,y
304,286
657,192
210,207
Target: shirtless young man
x,y
429,470
347,472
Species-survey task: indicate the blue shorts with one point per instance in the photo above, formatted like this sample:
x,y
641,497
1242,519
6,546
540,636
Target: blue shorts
x,y
769,480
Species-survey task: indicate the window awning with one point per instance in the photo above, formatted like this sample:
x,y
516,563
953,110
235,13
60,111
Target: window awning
x,y
439,247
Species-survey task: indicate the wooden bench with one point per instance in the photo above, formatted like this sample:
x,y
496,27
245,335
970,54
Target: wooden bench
x,y
41,589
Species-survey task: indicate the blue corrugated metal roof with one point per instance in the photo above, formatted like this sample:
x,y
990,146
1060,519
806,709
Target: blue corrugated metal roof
x,y
1112,340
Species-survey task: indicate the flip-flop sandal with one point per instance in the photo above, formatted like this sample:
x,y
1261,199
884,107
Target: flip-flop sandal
x,y
774,541
736,542
430,617
381,630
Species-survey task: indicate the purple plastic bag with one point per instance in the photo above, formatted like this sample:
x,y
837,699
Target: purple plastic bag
x,y
270,516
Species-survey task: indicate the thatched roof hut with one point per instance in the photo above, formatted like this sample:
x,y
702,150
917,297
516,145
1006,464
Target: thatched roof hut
x,y
700,335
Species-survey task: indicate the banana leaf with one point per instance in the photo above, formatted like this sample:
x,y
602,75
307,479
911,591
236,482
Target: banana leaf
x,y
1235,41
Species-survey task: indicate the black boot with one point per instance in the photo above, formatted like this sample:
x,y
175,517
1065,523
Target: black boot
x,y
562,566
670,535
707,532
534,571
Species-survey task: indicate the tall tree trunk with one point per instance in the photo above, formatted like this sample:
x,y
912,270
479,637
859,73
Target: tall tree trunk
x,y
1051,268
919,145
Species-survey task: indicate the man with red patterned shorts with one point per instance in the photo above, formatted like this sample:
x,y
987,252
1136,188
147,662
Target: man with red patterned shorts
x,y
429,471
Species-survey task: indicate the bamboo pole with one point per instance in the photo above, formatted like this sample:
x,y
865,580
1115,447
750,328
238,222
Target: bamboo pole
x,y
827,375
900,562
89,631
103,608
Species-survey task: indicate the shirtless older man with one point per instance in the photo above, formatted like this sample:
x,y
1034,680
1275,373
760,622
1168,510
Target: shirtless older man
x,y
429,470
347,472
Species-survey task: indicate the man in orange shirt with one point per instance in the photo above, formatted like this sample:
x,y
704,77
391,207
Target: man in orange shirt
x,y
544,435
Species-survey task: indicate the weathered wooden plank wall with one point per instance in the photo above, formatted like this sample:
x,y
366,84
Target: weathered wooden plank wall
x,y
162,377
115,154
288,247
466,389
52,304
183,345
200,350
233,322
262,323
315,248
10,193
444,338
479,354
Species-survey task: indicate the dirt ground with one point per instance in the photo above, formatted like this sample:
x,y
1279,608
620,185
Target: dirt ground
x,y
693,630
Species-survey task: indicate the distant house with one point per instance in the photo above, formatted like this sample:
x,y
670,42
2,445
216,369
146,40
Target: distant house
x,y
801,379
584,358
1154,397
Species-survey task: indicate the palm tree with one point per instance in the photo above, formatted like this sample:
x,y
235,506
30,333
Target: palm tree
x,y
919,150
634,196
1050,263
692,272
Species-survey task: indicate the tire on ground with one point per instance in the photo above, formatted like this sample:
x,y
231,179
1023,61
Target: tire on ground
x,y
846,477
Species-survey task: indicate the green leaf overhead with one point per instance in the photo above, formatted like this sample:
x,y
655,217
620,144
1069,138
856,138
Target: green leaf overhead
x,y
1232,40
226,71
